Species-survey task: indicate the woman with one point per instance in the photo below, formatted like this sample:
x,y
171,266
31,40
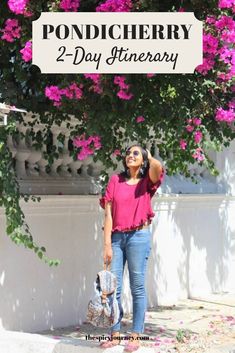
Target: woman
x,y
127,237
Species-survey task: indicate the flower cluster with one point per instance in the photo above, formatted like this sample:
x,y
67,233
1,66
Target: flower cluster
x,y
18,6
217,46
228,37
192,123
207,65
183,144
73,91
227,4
55,94
225,115
197,136
123,93
69,5
115,6
224,23
87,146
11,31
26,52
116,152
226,55
140,119
150,75
210,45
96,78
198,154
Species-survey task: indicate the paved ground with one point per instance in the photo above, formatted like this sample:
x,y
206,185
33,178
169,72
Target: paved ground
x,y
191,326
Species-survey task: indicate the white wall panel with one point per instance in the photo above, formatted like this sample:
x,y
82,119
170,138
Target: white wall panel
x,y
193,254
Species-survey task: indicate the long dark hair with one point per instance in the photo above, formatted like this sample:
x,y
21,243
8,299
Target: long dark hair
x,y
144,168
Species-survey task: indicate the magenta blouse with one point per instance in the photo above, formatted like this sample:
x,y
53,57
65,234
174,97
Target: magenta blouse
x,y
131,204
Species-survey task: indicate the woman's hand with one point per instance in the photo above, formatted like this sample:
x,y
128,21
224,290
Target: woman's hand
x,y
108,253
155,168
149,154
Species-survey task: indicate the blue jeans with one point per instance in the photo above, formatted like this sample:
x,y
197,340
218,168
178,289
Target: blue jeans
x,y
133,247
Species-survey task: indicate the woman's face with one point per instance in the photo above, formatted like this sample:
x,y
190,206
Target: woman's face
x,y
134,157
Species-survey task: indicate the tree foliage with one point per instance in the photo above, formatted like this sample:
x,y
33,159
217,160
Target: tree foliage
x,y
186,114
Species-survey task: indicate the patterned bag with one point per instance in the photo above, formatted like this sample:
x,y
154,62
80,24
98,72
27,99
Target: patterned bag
x,y
103,309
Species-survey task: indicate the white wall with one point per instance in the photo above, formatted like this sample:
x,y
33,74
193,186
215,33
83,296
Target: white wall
x,y
193,253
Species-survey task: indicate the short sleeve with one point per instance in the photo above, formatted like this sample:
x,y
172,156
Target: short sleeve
x,y
109,192
152,187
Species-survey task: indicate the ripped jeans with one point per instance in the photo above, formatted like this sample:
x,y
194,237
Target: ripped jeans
x,y
133,247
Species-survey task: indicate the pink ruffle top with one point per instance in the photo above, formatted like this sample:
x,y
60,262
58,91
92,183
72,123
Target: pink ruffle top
x,y
131,204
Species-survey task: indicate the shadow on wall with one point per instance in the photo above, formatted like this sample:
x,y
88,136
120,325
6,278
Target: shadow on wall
x,y
34,296
193,248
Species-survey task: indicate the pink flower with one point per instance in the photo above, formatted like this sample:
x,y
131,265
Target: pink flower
x,y
225,77
210,19
197,136
183,144
95,140
80,141
207,65
83,154
210,43
116,152
57,104
18,6
197,121
120,81
66,92
27,51
86,145
115,6
226,4
228,36
28,13
225,22
225,115
70,5
140,119
73,91
189,128
96,78
124,95
226,54
198,155
97,88
181,9
231,104
11,31
150,75
53,93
